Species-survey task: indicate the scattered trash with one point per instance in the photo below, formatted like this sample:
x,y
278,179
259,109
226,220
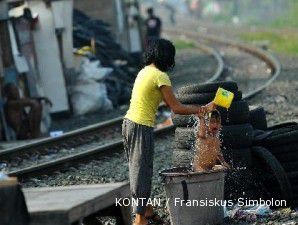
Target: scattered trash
x,y
118,67
89,96
89,92
3,166
249,213
92,69
3,176
280,99
56,133
167,122
84,51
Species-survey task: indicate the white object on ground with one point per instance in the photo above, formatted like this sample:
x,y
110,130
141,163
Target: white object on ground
x,y
3,176
56,133
89,96
45,119
93,70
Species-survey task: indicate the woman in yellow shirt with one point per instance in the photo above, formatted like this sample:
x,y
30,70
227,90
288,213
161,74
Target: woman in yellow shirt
x,y
151,86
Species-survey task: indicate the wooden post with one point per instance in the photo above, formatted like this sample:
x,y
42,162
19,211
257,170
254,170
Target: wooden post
x,y
6,57
5,43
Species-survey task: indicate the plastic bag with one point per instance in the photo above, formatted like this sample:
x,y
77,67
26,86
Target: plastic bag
x,y
45,119
89,96
93,70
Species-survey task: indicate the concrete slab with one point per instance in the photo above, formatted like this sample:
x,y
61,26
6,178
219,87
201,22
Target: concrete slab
x,y
65,205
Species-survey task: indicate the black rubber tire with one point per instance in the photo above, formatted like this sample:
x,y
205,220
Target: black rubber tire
x,y
237,136
203,98
184,137
238,157
277,182
293,177
290,166
282,130
285,153
182,158
208,87
288,157
295,192
257,118
282,125
264,139
238,113
282,138
184,120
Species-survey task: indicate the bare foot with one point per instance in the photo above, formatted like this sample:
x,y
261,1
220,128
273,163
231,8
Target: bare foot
x,y
218,167
199,169
140,220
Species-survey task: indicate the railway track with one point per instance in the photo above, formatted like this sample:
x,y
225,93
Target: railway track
x,y
77,146
272,64
95,147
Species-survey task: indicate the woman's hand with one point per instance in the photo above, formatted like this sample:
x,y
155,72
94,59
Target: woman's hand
x,y
211,106
206,109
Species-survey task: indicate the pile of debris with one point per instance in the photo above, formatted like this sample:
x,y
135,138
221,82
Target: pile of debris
x,y
109,53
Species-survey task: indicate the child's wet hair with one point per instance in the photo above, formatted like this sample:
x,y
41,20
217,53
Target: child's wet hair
x,y
215,114
161,53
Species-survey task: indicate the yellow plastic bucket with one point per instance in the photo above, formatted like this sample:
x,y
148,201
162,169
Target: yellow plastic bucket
x,y
223,98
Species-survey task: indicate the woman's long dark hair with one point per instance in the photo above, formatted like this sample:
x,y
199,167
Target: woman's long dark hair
x,y
161,53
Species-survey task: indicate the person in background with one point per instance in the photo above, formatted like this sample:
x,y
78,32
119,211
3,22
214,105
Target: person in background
x,y
153,25
26,125
151,86
135,39
172,12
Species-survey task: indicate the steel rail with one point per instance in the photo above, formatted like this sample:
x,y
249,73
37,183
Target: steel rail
x,y
265,56
106,149
44,143
117,146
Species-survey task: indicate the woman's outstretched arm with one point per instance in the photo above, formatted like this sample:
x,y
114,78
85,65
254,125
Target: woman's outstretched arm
x,y
179,108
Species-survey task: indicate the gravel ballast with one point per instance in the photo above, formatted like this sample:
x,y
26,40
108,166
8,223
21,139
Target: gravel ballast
x,y
280,98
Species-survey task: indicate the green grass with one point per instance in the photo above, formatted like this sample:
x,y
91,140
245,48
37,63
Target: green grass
x,y
290,19
183,44
280,42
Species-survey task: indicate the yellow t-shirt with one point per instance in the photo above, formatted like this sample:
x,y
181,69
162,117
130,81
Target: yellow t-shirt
x,y
146,95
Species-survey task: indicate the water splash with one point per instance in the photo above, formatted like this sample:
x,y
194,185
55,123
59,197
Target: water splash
x,y
228,116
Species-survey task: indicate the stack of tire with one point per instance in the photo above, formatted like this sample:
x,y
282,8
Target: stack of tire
x,y
236,134
282,142
257,117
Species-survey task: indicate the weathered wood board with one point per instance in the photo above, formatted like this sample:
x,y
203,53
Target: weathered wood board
x,y
65,205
